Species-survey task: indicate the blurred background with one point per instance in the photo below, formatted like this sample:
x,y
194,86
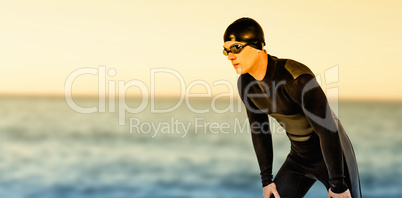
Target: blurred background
x,y
50,149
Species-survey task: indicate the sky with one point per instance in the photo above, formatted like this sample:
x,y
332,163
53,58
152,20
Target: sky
x,y
170,48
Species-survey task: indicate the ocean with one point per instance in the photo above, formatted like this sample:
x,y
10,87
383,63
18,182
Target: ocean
x,y
201,149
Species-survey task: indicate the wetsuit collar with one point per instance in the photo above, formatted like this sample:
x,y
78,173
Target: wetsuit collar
x,y
271,67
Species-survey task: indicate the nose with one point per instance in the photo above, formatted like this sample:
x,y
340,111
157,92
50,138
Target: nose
x,y
231,56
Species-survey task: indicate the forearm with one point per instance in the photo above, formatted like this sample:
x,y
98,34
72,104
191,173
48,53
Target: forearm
x,y
262,143
263,149
333,158
321,119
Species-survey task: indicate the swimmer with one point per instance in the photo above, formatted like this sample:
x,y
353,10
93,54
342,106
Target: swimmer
x,y
288,91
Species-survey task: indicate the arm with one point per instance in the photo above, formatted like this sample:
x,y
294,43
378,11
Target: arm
x,y
260,135
306,92
262,142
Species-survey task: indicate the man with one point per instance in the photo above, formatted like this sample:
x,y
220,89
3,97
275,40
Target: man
x,y
287,90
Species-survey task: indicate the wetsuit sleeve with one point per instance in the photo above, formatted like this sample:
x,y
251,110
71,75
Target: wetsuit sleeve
x,y
261,137
306,92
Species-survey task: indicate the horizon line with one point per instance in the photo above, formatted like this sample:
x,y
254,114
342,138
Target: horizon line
x,y
92,96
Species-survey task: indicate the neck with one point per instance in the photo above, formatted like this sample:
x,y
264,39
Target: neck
x,y
261,66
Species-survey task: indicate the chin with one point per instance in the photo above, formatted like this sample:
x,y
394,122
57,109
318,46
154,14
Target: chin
x,y
239,70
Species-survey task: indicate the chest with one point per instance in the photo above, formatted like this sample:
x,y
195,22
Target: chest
x,y
272,97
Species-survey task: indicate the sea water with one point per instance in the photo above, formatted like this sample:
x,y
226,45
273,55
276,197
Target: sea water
x,y
47,149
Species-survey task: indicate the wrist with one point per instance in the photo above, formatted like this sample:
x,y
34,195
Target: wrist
x,y
266,182
338,186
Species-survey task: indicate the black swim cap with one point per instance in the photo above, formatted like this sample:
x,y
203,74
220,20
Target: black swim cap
x,y
245,30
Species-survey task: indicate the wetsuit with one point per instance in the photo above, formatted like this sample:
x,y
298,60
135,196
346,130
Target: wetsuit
x,y
290,94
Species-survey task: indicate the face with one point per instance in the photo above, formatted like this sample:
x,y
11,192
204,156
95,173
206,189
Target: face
x,y
244,61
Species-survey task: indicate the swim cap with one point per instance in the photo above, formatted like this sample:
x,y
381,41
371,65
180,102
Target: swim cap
x,y
245,30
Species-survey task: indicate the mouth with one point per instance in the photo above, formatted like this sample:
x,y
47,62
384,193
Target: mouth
x,y
235,65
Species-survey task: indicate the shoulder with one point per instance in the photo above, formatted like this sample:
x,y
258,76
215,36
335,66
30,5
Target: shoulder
x,y
296,69
299,76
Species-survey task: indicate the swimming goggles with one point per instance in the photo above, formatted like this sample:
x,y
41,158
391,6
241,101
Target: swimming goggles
x,y
235,49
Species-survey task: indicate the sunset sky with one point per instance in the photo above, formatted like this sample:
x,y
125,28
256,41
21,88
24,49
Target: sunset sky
x,y
43,42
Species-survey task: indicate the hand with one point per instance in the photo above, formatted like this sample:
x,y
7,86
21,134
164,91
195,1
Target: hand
x,y
345,194
269,190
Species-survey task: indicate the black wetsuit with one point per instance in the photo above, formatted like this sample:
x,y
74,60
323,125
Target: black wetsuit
x,y
290,94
